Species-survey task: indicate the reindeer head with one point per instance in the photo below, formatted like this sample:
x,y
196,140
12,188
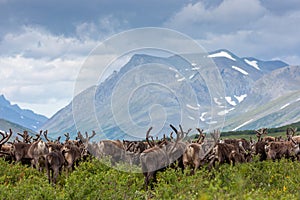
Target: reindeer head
x,y
260,132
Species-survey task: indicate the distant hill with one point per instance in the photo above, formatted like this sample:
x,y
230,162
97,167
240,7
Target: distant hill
x,y
6,125
23,117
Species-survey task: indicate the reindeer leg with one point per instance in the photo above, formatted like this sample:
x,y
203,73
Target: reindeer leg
x,y
55,173
146,180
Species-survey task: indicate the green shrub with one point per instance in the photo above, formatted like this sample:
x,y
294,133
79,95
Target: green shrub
x,y
96,180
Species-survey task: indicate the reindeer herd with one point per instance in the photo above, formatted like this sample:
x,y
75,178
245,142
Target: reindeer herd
x,y
151,155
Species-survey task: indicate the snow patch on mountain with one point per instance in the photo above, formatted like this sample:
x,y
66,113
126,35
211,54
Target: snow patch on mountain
x,y
192,76
224,112
211,122
284,106
230,101
241,97
202,116
181,79
240,70
190,117
222,54
192,107
245,123
252,63
216,100
173,69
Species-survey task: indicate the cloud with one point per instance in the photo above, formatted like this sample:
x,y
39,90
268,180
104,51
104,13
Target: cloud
x,y
43,44
279,7
101,29
226,17
41,82
39,68
36,42
248,28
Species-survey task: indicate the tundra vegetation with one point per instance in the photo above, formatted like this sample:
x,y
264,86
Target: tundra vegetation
x,y
232,169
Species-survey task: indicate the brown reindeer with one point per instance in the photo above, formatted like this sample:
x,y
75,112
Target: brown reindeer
x,y
114,149
243,146
177,149
264,131
5,148
226,153
27,151
72,154
291,133
287,149
54,161
35,151
194,153
153,159
53,145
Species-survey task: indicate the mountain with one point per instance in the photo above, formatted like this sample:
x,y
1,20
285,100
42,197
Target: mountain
x,y
273,101
156,91
23,117
16,128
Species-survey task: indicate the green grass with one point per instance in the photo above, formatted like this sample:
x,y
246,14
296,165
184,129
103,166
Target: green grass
x,y
95,180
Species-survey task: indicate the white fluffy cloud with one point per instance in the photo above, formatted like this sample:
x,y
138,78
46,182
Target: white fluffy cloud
x,y
42,82
38,69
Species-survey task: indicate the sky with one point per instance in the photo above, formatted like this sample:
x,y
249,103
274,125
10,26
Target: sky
x,y
43,44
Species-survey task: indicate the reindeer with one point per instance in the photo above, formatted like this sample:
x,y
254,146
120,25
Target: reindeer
x,y
135,146
264,131
35,151
243,146
54,161
27,151
5,148
196,153
226,153
72,154
193,153
161,154
52,145
153,159
114,149
291,133
287,149
177,149
19,152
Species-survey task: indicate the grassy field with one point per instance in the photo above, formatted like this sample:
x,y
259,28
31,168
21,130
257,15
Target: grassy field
x,y
95,180
280,131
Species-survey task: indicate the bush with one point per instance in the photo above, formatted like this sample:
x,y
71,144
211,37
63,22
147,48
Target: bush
x,y
96,180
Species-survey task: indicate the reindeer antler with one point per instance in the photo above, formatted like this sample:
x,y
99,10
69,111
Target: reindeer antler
x,y
67,135
147,137
201,136
45,133
5,137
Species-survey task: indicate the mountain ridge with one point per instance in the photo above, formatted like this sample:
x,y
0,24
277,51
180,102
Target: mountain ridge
x,y
238,74
24,117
